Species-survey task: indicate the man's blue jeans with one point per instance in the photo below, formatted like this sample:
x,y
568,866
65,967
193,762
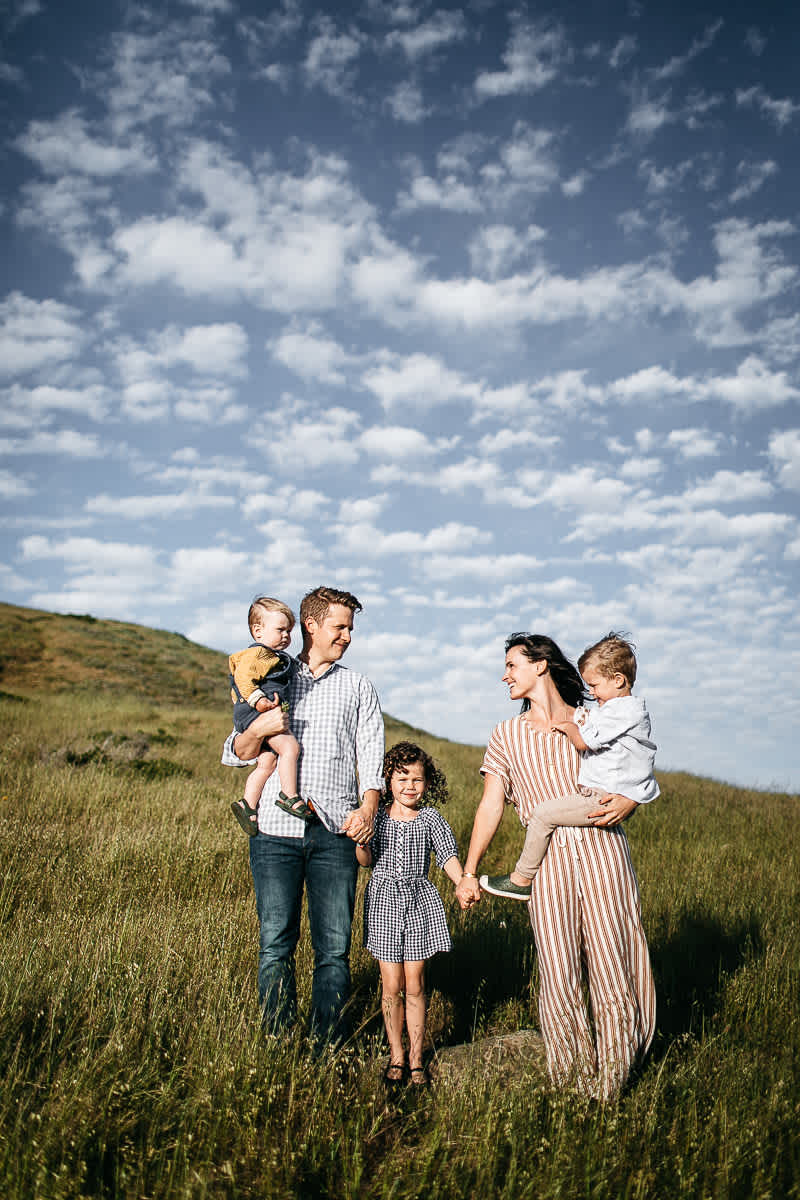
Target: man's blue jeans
x,y
326,863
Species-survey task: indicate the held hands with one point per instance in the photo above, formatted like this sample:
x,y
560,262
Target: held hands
x,y
359,825
615,808
468,892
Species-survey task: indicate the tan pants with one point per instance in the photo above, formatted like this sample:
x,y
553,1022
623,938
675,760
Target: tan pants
x,y
571,810
587,924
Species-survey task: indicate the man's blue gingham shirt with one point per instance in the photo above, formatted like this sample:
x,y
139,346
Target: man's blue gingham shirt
x,y
337,720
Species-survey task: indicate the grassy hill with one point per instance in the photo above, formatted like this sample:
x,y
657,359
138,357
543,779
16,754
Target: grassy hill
x,y
130,1050
42,652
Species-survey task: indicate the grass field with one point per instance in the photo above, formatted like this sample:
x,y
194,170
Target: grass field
x,y
130,1051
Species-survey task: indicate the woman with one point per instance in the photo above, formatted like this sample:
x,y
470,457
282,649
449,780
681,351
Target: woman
x,y
585,899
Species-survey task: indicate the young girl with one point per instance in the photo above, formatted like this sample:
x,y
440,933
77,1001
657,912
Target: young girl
x,y
404,921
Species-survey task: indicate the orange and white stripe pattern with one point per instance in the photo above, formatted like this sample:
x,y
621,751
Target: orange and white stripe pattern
x,y
584,909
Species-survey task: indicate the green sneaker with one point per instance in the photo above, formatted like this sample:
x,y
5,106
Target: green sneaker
x,y
502,885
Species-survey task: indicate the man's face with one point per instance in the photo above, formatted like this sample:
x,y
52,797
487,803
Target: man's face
x,y
330,637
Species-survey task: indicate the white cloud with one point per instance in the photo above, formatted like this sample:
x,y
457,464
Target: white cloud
x,y
532,59
647,115
24,406
166,506
168,76
481,566
494,249
315,442
364,539
575,185
36,333
284,501
623,51
753,387
218,349
406,103
311,354
441,29
753,176
448,193
784,453
68,443
677,64
782,112
329,59
65,145
81,554
397,441
755,41
13,487
695,443
416,380
729,487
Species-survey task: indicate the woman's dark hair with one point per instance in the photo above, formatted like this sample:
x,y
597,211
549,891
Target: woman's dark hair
x,y
403,755
536,647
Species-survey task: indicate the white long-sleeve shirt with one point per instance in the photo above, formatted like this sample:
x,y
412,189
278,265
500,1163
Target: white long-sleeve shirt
x,y
621,755
337,720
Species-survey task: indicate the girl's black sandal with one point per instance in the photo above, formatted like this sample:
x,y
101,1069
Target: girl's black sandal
x,y
394,1074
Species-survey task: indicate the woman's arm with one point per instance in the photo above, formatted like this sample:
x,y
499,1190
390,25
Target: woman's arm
x,y
487,819
615,809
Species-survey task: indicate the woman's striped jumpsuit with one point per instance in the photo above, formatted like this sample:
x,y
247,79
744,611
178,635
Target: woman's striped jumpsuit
x,y
584,911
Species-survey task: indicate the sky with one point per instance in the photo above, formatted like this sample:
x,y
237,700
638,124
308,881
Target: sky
x,y
487,313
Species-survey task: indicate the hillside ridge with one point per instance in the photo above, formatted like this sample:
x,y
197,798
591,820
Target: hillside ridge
x,y
46,652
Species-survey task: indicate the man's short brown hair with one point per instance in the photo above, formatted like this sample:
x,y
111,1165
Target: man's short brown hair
x,y
612,655
263,604
315,604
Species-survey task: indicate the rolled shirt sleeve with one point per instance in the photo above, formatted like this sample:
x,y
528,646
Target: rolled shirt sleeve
x,y
370,738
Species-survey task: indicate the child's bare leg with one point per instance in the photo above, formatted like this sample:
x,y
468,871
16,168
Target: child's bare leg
x,y
287,747
392,980
415,1011
571,810
258,777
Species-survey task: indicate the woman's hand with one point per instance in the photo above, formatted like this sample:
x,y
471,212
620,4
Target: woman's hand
x,y
615,809
468,891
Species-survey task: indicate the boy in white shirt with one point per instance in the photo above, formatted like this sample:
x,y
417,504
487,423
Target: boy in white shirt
x,y
617,757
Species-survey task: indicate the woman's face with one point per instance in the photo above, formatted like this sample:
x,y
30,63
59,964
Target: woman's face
x,y
521,674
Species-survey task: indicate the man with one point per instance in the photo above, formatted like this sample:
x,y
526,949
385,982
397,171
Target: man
x,y
336,717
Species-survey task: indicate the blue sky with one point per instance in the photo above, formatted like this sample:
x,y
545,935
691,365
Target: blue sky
x,y
486,313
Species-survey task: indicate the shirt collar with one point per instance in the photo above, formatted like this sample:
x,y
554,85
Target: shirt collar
x,y
304,669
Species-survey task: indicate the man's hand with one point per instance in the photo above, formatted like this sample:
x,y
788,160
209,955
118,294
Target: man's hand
x,y
615,809
275,720
468,892
359,825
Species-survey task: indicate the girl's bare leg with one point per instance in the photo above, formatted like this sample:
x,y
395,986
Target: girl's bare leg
x,y
415,1011
392,980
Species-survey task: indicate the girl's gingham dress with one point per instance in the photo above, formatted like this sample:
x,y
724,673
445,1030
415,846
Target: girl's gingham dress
x,y
404,917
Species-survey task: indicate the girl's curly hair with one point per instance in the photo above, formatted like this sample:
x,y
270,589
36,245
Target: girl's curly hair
x,y
403,755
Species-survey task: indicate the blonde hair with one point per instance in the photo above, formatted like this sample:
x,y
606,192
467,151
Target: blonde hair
x,y
612,655
265,604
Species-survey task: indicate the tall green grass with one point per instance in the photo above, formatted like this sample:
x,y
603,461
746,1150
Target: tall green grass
x,y
131,1057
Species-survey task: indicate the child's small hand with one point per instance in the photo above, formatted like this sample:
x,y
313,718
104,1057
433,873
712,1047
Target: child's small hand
x,y
265,705
559,727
